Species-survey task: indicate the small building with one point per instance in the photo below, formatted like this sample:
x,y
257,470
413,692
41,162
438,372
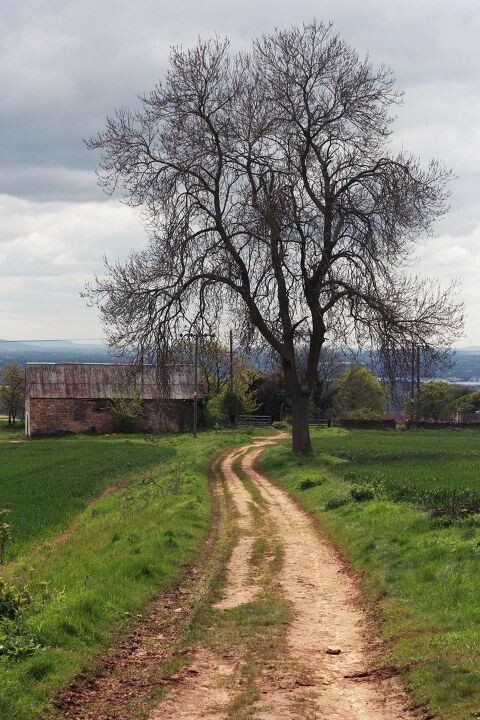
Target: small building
x,y
88,397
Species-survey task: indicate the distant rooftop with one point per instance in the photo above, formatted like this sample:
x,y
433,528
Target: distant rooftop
x,y
109,380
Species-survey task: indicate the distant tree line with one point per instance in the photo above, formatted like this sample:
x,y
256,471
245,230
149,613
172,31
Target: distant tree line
x,y
343,388
440,400
12,391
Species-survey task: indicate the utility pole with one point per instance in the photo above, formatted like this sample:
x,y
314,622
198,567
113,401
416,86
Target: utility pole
x,y
195,390
196,336
417,411
231,362
412,381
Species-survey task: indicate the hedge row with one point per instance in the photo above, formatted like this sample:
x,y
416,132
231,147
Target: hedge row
x,y
365,423
441,425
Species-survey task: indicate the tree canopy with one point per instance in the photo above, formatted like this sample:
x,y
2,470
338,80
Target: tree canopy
x,y
358,393
468,403
273,202
439,399
12,390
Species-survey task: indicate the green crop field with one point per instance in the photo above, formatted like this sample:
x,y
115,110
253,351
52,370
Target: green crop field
x,y
77,571
47,482
372,491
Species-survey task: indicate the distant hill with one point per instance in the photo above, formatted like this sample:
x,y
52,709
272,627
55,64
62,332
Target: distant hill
x,y
52,352
465,368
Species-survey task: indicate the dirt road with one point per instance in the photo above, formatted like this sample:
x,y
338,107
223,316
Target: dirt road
x,y
267,626
328,642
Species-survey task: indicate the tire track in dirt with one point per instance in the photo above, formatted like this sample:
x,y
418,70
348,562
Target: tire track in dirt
x,y
209,686
240,587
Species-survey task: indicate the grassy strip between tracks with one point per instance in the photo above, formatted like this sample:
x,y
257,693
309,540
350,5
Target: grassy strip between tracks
x,y
68,596
372,492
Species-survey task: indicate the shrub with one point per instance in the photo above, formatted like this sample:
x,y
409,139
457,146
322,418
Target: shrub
x,y
233,406
127,412
214,413
281,425
336,501
10,601
308,483
15,645
360,493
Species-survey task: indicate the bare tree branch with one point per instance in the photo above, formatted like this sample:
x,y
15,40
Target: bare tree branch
x,y
272,198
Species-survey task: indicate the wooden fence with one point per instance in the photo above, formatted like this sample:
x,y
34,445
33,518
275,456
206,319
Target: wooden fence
x,y
253,421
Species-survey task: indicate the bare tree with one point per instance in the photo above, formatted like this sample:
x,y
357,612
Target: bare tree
x,y
271,195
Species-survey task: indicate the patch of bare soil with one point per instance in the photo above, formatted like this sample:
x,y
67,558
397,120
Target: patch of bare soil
x,y
206,691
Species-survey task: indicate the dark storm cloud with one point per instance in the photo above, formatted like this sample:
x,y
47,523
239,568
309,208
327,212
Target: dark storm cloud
x,y
67,65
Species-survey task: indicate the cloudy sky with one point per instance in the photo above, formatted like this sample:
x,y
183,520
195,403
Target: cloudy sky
x,y
65,64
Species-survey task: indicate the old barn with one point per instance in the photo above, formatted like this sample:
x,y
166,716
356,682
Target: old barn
x,y
85,397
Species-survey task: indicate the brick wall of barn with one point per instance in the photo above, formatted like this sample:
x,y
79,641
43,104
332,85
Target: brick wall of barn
x,y
52,416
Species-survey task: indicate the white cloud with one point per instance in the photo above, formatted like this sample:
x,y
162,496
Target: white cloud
x,y
457,256
47,253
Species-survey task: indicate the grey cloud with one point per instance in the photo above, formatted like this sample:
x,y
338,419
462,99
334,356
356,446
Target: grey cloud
x,y
57,238
65,66
42,183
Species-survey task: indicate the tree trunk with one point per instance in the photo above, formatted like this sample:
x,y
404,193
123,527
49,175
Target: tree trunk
x,y
300,433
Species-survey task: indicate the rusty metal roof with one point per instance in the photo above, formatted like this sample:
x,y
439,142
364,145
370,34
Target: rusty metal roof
x,y
109,380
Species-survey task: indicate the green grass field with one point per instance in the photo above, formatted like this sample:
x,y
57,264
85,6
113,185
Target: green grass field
x,y
47,482
78,589
371,490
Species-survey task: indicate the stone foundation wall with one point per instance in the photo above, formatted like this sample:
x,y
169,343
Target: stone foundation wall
x,y
54,416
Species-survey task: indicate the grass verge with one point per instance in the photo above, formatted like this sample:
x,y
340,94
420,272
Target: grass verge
x,y
420,574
